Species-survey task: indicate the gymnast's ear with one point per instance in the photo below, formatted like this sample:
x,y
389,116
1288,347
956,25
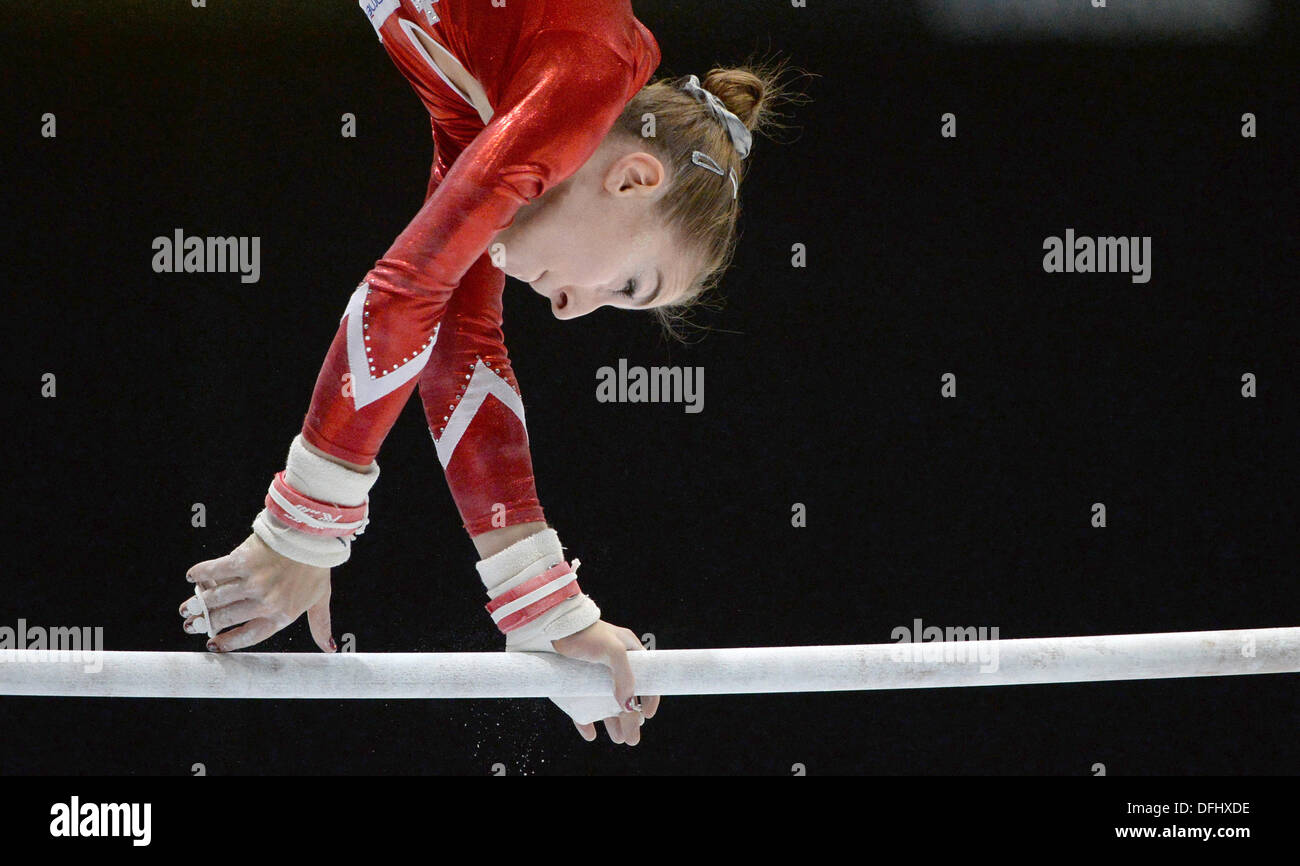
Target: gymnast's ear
x,y
636,173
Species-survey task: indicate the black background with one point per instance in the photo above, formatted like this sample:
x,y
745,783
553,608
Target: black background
x,y
821,387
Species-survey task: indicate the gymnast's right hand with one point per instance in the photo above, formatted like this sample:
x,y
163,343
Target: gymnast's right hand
x,y
261,592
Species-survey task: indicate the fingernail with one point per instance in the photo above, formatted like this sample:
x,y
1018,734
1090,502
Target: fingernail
x,y
632,705
333,646
212,646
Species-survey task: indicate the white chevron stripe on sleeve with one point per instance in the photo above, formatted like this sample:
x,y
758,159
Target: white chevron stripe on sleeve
x,y
482,383
367,387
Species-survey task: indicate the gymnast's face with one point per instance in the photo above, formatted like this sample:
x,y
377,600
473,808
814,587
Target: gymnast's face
x,y
595,240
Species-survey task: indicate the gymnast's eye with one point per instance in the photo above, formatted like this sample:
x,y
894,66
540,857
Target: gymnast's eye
x,y
629,289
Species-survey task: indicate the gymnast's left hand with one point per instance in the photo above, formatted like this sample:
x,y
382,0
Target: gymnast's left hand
x,y
261,589
608,644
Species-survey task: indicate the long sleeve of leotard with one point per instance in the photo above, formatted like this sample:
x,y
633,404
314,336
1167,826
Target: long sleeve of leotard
x,y
475,410
560,102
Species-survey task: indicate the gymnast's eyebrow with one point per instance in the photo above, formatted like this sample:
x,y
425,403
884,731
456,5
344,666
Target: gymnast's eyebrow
x,y
659,284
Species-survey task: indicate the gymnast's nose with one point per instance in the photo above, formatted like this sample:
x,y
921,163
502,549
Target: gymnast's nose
x,y
570,304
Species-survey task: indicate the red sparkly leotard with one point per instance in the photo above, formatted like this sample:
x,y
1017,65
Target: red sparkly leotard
x,y
556,73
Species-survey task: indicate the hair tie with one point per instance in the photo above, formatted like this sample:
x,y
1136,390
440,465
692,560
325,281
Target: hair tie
x,y
741,139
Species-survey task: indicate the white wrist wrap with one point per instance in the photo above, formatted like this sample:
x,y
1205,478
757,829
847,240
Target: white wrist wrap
x,y
544,601
321,550
539,560
327,482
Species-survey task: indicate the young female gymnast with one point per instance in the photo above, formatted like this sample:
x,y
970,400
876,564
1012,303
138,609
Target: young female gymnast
x,y
557,165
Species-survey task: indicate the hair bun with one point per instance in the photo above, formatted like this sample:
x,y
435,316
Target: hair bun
x,y
742,91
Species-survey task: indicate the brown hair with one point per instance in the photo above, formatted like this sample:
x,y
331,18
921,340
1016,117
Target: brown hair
x,y
700,203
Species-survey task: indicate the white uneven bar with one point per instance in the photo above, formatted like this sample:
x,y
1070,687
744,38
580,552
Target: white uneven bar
x,y
662,672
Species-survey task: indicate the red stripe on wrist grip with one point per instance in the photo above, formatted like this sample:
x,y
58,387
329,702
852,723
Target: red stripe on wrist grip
x,y
564,590
350,519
